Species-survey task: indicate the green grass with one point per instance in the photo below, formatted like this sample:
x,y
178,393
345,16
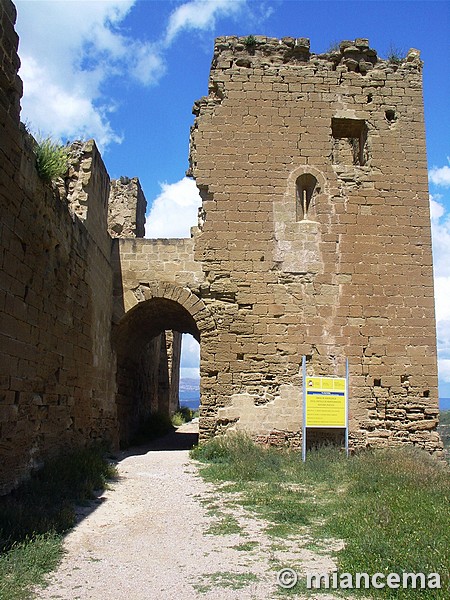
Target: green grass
x,y
225,579
390,507
182,416
26,564
245,546
51,159
34,517
225,526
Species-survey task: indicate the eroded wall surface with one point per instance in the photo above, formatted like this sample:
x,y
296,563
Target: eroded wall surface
x,y
316,239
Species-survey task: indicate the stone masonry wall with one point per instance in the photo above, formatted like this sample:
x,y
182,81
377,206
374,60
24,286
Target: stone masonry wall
x,y
316,239
145,271
126,208
56,365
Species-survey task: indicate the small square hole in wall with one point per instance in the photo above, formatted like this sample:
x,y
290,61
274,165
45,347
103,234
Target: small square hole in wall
x,y
349,141
426,393
377,382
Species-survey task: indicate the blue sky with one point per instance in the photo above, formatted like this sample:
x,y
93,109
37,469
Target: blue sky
x,y
127,72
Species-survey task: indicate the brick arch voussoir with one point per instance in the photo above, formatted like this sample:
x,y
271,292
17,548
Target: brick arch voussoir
x,y
183,296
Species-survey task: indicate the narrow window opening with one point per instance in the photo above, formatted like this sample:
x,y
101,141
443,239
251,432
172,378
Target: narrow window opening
x,y
349,141
306,189
426,393
369,98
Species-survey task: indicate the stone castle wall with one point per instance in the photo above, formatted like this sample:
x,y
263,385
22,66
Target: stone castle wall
x,y
57,363
56,380
316,239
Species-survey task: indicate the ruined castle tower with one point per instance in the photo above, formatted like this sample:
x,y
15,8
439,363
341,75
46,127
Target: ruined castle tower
x,y
316,238
313,240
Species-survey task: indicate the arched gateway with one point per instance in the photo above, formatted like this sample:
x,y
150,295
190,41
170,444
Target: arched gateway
x,y
150,317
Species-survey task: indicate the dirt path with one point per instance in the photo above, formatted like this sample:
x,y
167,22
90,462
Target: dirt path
x,y
148,539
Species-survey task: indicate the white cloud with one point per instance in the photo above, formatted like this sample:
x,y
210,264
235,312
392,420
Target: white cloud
x,y
186,373
70,49
174,211
442,294
440,227
73,113
444,370
66,60
436,209
190,358
440,176
200,14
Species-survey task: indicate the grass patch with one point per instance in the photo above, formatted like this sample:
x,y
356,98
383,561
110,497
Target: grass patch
x,y
396,518
26,564
51,159
390,506
246,546
226,579
226,526
182,416
34,517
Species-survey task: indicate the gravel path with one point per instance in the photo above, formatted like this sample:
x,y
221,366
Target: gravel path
x,y
147,539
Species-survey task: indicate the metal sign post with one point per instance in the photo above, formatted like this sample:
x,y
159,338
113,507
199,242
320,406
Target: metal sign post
x,y
304,410
325,404
346,405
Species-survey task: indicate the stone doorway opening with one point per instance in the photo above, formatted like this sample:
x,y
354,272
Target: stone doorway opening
x,y
147,342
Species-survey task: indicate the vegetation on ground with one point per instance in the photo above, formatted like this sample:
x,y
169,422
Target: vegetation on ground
x,y
51,159
182,416
444,417
34,517
390,507
225,579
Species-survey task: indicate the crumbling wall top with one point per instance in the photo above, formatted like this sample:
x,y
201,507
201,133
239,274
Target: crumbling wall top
x,y
262,51
126,208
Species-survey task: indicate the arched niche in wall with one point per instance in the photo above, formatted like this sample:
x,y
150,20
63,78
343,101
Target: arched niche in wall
x,y
306,188
298,217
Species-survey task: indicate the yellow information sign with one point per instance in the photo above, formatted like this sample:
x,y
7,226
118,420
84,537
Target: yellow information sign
x,y
326,402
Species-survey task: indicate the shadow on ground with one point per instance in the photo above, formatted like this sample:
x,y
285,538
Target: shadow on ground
x,y
182,438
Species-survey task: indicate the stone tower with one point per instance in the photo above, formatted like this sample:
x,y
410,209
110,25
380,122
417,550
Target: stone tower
x,y
316,239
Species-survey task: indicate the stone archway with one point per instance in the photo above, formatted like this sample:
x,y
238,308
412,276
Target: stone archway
x,y
146,373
